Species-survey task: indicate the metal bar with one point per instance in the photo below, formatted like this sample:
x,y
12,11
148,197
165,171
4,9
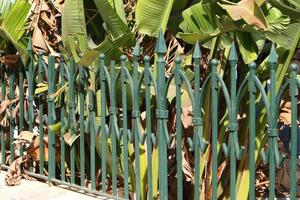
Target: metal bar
x,y
11,107
92,138
3,95
30,81
51,117
233,120
21,102
125,129
72,119
112,131
136,117
63,125
161,109
293,135
41,113
252,130
178,82
103,121
272,126
82,128
149,141
197,118
214,105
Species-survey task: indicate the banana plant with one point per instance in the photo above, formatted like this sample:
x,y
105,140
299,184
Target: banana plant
x,y
13,17
250,22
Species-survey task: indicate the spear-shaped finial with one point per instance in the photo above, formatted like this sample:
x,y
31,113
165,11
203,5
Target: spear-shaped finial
x,y
136,50
197,51
273,54
161,47
29,45
233,53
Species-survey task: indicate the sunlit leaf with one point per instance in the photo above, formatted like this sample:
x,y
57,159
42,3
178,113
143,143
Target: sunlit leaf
x,y
74,33
249,11
12,25
151,15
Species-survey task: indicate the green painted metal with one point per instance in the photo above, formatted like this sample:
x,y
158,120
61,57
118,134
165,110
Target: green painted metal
x,y
178,82
234,150
41,112
51,117
252,129
294,92
63,123
93,130
124,125
112,125
82,129
11,97
30,82
121,137
21,106
72,118
102,76
272,126
214,107
149,135
2,131
161,115
136,119
197,144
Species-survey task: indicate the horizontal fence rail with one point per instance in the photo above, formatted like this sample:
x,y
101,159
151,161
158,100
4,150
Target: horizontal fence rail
x,y
91,134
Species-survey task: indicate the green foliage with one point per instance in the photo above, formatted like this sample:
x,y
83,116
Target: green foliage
x,y
12,24
113,15
74,33
151,15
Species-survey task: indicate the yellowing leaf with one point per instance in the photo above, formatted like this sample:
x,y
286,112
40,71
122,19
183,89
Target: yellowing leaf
x,y
41,87
249,11
56,128
70,138
59,91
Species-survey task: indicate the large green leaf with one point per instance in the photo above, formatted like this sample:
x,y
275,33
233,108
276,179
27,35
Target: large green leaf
x,y
286,37
151,15
292,12
202,18
113,15
276,20
111,49
193,37
118,6
4,6
12,25
74,33
200,23
247,47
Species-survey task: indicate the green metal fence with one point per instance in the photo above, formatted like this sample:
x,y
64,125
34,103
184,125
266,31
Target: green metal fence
x,y
115,119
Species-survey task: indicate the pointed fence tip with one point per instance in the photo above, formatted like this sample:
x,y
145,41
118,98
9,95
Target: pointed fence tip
x,y
136,50
273,54
197,51
233,53
29,45
161,46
